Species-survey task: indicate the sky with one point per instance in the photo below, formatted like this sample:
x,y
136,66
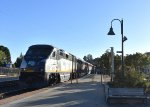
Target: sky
x,y
79,27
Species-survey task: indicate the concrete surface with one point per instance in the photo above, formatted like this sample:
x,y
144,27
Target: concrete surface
x,y
89,92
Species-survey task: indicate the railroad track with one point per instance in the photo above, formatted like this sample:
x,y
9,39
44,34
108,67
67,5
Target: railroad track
x,y
8,84
12,90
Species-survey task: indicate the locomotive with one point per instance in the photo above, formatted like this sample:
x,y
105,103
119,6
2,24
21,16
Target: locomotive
x,y
47,64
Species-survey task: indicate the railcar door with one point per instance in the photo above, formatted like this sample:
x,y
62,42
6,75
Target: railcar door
x,y
53,63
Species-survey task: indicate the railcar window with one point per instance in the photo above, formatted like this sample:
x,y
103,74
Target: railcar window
x,y
54,54
70,57
67,56
61,53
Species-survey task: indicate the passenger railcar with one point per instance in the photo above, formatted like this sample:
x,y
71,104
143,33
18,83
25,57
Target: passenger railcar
x,y
48,64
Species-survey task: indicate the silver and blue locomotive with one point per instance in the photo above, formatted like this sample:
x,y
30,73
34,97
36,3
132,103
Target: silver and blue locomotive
x,y
48,64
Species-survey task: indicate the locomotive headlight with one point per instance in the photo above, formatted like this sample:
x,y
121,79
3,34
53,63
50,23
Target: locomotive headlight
x,y
23,69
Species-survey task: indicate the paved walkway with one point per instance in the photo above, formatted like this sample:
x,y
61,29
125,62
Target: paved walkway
x,y
89,92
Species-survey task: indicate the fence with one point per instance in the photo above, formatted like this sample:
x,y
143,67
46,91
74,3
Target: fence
x,y
15,72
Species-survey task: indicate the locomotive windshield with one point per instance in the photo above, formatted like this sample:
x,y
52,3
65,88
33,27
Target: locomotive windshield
x,y
39,51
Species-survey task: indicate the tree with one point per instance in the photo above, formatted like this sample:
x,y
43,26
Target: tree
x,y
132,77
137,60
105,60
117,63
18,61
85,58
4,56
89,58
96,62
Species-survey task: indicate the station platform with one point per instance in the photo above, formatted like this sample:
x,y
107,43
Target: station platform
x,y
88,92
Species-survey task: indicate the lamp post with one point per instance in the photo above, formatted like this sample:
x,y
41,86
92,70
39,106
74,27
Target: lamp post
x,y
111,32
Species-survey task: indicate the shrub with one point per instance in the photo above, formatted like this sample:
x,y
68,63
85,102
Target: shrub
x,y
131,79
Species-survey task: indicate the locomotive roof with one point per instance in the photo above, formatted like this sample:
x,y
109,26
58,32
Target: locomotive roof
x,y
50,46
41,45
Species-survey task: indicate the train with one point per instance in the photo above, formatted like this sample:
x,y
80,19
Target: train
x,y
47,64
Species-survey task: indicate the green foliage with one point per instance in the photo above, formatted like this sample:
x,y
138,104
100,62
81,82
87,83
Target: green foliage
x,y
133,60
105,60
132,76
4,56
131,79
88,58
117,62
134,79
96,62
85,58
18,61
137,60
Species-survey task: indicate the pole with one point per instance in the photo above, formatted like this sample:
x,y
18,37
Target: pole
x,y
101,75
122,41
72,70
76,73
122,61
112,63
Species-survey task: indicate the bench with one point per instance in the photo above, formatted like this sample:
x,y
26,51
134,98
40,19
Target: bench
x,y
124,95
